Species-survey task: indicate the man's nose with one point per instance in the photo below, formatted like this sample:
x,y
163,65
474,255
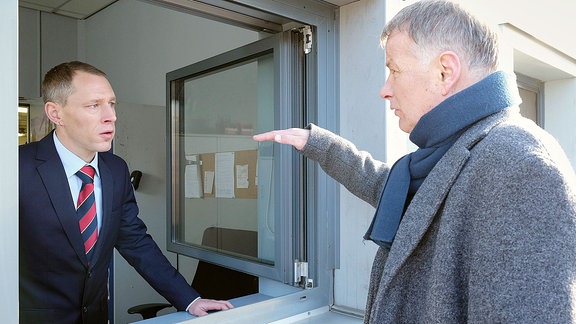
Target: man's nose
x,y
386,90
109,113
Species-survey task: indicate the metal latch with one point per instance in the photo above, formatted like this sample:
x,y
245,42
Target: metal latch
x,y
301,275
307,39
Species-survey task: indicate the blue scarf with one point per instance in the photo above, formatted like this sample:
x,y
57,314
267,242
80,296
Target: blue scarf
x,y
434,134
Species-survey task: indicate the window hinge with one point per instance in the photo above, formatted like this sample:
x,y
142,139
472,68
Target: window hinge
x,y
301,275
307,39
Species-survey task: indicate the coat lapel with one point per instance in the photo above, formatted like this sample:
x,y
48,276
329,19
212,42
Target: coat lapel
x,y
428,200
424,206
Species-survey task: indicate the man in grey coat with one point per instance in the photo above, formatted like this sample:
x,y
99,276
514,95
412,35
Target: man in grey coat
x,y
477,225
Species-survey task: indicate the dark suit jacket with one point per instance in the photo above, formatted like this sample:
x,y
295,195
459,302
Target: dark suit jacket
x,y
57,285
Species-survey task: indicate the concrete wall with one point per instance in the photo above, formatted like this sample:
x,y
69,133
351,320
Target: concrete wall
x,y
363,121
544,20
45,40
560,114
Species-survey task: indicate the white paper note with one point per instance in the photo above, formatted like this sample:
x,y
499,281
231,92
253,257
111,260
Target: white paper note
x,y
208,182
225,175
242,176
192,182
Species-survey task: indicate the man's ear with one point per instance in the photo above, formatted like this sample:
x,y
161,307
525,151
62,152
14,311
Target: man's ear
x,y
52,111
450,71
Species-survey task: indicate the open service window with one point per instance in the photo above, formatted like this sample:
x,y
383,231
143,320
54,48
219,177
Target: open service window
x,y
234,202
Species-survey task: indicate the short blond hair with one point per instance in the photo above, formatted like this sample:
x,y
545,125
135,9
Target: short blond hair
x,y
57,83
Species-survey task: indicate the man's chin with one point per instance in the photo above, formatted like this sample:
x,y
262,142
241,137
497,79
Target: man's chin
x,y
405,128
105,147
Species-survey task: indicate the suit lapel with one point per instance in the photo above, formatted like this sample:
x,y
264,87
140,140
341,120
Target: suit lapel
x,y
107,182
56,183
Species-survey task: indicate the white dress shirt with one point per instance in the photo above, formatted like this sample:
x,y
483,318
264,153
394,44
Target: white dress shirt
x,y
72,164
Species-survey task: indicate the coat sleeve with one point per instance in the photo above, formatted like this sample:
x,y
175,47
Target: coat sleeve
x,y
356,170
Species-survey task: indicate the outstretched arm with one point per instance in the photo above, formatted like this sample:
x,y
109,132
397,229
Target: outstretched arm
x,y
361,174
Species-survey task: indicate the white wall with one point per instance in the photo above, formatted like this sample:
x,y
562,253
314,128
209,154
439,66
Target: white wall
x,y
560,114
136,44
29,72
545,20
45,40
8,172
363,121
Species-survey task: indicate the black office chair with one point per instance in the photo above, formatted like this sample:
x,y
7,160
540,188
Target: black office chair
x,y
212,281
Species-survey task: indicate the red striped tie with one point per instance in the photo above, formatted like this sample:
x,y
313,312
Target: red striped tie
x,y
86,210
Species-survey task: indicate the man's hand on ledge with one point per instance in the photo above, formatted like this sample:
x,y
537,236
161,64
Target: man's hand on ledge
x,y
201,307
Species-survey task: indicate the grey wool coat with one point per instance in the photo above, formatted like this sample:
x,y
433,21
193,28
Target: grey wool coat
x,y
490,236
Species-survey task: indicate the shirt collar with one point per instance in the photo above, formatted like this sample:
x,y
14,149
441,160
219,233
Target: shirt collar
x,y
71,162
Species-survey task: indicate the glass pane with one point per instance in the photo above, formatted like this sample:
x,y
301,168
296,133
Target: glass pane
x,y
226,177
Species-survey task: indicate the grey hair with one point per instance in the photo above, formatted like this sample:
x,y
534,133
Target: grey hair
x,y
437,26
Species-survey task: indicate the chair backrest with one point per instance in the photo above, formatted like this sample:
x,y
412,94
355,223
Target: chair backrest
x,y
217,282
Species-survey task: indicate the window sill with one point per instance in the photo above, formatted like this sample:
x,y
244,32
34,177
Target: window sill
x,y
178,317
319,315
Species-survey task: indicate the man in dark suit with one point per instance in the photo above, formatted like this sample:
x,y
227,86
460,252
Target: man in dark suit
x,y
63,272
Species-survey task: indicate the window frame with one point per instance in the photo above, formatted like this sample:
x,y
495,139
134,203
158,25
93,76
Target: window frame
x,y
537,87
283,210
321,98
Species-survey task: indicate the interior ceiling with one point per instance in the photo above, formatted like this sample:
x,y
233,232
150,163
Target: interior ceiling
x,y
82,9
79,9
